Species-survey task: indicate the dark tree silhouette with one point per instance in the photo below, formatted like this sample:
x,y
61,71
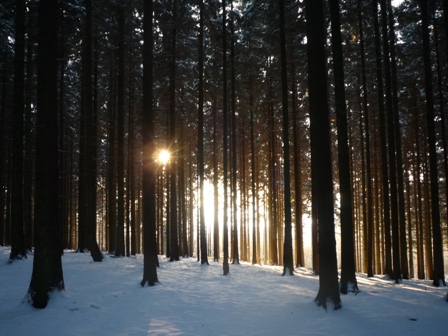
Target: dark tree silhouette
x,y
18,249
120,246
88,167
438,276
204,259
365,107
224,145
233,147
149,166
391,146
174,241
288,262
321,151
47,266
348,269
383,140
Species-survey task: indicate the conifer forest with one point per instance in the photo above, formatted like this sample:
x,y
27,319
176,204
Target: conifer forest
x,y
277,132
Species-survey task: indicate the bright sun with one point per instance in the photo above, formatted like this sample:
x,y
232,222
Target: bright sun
x,y
164,157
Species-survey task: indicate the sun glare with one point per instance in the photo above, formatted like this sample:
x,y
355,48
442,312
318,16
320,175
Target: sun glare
x,y
164,157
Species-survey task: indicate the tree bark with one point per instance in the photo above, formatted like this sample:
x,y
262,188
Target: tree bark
x,y
47,272
150,260
438,270
18,249
321,150
288,262
225,146
204,259
174,255
120,245
396,260
348,269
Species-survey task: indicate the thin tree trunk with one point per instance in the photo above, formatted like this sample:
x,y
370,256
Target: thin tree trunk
x,y
18,248
150,260
273,232
112,169
215,183
225,146
2,149
438,270
174,241
348,276
29,140
384,161
404,264
297,155
234,152
120,245
365,105
204,259
253,174
91,145
392,148
288,261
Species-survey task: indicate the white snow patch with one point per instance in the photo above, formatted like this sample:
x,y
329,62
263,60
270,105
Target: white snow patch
x,y
106,299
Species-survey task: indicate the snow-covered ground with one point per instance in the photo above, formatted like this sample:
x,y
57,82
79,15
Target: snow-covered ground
x,y
106,299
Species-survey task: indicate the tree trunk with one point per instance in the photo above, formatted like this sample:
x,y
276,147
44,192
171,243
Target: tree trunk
x,y
288,262
112,168
321,151
29,131
2,149
47,266
150,260
91,117
383,137
120,245
404,264
365,105
215,182
438,270
273,232
234,152
204,259
253,175
348,276
18,249
174,255
392,148
224,126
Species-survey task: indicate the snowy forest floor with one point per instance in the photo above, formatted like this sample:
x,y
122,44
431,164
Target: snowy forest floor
x,y
192,299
